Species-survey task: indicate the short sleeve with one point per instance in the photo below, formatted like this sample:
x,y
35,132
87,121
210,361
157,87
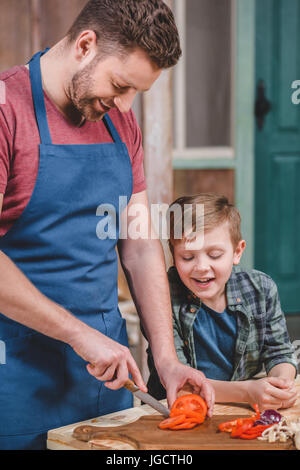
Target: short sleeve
x,y
5,150
137,153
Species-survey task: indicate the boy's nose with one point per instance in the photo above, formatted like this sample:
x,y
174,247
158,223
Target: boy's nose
x,y
202,267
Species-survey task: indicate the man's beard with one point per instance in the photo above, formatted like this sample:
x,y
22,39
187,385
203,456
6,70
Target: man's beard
x,y
79,88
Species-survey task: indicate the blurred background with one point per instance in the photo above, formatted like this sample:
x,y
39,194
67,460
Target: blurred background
x,y
222,120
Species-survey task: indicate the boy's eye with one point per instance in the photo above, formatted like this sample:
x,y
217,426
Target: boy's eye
x,y
185,258
215,255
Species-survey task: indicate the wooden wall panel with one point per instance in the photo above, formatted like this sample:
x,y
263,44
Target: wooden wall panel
x,y
15,33
27,26
189,182
56,19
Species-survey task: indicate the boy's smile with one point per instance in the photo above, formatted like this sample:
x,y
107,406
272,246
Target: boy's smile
x,y
206,271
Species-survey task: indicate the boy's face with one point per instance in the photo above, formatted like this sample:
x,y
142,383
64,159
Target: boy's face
x,y
206,271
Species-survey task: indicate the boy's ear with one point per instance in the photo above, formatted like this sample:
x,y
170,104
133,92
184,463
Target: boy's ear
x,y
239,251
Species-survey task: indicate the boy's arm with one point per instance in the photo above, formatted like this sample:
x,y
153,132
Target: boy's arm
x,y
267,393
230,391
277,347
284,371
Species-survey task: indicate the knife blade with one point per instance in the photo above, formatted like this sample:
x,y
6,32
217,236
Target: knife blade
x,y
147,398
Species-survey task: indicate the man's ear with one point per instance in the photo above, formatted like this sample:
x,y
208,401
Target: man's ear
x,y
86,45
239,251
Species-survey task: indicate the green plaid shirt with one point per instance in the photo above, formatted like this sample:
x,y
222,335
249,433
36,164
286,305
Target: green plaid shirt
x,y
262,338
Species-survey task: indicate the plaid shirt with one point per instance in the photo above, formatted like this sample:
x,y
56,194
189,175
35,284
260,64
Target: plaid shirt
x,y
262,338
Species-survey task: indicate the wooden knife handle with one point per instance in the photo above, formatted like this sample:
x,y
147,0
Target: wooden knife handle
x,y
129,385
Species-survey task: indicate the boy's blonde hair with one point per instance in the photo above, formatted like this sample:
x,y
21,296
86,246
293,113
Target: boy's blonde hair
x,y
217,210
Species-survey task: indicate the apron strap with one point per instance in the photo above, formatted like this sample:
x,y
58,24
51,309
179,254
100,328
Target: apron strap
x,y
38,97
112,130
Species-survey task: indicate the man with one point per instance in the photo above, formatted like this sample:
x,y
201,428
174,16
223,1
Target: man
x,y
58,281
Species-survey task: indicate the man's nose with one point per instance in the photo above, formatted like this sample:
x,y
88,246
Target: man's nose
x,y
124,102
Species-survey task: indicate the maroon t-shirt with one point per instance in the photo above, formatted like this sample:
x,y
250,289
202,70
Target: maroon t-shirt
x,y
19,142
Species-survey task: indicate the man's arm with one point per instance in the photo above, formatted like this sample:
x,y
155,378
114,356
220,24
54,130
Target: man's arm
x,y
143,263
144,266
23,303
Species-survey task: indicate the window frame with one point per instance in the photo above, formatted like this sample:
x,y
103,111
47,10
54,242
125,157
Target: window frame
x,y
199,157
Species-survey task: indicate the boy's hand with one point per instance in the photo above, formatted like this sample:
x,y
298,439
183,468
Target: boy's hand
x,y
272,393
290,386
175,376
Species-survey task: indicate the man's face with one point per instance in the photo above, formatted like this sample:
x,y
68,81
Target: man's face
x,y
111,82
206,271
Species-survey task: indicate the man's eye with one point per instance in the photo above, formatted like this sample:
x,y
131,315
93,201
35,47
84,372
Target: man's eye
x,y
119,87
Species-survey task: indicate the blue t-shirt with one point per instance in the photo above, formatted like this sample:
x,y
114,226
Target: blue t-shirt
x,y
214,338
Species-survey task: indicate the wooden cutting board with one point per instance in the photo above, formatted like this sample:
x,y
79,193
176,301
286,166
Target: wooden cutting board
x,y
144,434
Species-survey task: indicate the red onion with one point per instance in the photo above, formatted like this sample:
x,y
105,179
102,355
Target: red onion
x,y
268,417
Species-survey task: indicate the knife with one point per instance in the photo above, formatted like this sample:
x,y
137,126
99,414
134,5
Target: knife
x,y
146,398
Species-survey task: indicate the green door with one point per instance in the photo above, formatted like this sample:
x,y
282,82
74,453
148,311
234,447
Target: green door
x,y
277,147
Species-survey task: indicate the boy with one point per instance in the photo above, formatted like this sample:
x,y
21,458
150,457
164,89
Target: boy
x,y
227,321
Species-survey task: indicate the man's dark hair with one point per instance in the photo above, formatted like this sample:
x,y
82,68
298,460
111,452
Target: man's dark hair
x,y
123,25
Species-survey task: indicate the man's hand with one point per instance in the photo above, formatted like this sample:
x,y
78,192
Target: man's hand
x,y
175,377
109,361
272,393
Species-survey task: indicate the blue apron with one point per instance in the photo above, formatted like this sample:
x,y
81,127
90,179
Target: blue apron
x,y
44,383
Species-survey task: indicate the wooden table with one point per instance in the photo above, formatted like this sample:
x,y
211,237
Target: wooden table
x,y
62,439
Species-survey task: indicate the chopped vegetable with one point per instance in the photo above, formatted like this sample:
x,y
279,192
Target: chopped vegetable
x,y
189,423
243,423
247,428
269,417
172,421
190,403
228,426
242,426
187,412
283,431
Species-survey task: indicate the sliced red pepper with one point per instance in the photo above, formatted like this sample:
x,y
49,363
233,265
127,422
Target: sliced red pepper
x,y
249,436
255,431
256,409
242,426
258,429
228,426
